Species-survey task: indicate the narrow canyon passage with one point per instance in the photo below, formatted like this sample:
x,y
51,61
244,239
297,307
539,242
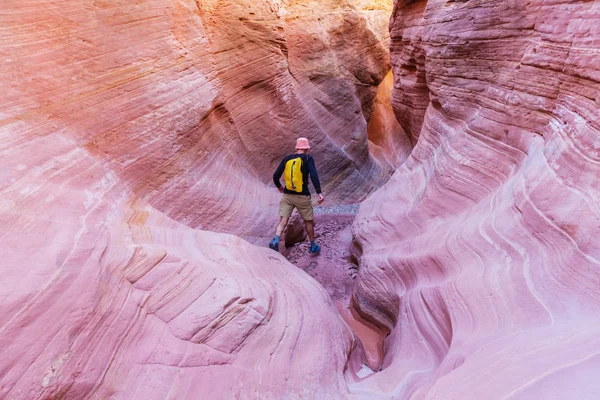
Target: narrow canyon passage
x,y
335,269
458,146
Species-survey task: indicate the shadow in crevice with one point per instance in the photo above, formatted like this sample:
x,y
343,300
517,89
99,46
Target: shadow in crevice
x,y
411,97
388,141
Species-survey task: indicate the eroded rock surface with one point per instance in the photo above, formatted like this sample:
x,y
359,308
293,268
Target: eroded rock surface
x,y
104,297
480,255
123,126
193,103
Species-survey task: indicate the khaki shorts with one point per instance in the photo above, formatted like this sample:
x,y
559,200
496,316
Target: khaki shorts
x,y
301,202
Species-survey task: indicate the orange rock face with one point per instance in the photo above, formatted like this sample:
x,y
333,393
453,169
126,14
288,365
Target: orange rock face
x,y
387,139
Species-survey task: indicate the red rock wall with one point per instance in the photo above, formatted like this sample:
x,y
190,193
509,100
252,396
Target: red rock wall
x,y
104,297
411,94
193,103
480,256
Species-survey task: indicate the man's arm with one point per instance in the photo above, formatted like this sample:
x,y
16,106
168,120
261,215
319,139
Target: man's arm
x,y
278,173
314,177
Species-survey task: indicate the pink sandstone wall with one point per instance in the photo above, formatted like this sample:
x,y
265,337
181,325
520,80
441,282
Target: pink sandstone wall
x,y
104,297
480,255
123,125
193,103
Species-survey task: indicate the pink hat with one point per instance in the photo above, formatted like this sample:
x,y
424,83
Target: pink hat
x,y
302,144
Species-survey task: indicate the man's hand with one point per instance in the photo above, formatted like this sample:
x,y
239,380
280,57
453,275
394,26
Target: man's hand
x,y
320,198
280,188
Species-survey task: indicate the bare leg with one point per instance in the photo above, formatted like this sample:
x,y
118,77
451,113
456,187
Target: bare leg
x,y
281,225
310,229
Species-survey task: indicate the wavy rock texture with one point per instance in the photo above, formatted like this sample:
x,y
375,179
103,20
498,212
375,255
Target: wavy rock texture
x,y
480,255
123,126
193,103
104,297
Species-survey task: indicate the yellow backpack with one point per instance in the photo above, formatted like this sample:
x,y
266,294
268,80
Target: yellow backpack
x,y
293,175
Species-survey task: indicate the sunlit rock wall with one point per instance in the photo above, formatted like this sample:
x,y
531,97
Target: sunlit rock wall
x,y
480,255
192,104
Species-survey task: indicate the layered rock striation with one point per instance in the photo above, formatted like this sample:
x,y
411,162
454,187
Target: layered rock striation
x,y
193,103
104,297
123,127
479,256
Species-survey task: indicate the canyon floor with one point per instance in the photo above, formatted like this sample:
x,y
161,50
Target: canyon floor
x,y
335,268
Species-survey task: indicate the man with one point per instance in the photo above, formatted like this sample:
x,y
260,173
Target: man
x,y
295,169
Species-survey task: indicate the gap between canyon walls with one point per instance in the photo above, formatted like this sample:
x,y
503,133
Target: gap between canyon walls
x,y
393,130
258,76
326,76
337,266
405,93
278,71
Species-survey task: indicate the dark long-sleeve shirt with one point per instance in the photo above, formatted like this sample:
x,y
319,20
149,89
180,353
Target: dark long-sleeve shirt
x,y
308,168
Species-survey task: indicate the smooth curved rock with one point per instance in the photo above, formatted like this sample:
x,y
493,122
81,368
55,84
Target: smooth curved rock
x,y
123,126
480,255
193,103
104,297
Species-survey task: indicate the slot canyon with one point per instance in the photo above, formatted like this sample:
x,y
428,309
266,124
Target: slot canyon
x,y
458,148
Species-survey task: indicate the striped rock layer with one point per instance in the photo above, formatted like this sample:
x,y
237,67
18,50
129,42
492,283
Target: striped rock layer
x,y
480,256
192,104
126,126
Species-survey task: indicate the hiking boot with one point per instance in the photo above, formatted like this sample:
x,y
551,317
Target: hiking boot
x,y
314,248
274,245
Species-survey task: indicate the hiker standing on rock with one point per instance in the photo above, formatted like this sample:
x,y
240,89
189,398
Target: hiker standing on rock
x,y
296,168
